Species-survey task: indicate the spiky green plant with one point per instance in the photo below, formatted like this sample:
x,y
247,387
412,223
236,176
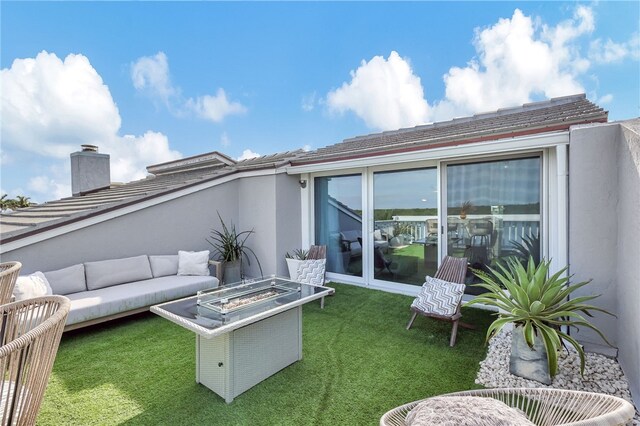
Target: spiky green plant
x,y
530,247
538,304
230,245
299,254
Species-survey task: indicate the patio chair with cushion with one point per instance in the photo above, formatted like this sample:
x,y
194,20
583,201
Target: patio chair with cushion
x,y
31,331
9,272
441,296
542,406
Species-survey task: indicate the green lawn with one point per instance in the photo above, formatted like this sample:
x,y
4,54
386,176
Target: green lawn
x,y
359,361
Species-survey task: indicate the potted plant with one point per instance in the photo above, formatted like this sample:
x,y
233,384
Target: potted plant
x,y
539,308
294,260
466,208
230,248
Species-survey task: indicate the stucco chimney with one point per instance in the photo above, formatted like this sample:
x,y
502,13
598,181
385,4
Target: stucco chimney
x,y
90,171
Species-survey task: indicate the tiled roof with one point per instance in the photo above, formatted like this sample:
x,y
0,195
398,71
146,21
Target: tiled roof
x,y
31,220
552,115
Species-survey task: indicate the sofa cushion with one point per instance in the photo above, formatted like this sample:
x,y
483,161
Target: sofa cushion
x,y
67,280
163,265
193,262
106,273
107,301
30,286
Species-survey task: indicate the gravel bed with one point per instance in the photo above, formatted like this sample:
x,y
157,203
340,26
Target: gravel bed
x,y
601,374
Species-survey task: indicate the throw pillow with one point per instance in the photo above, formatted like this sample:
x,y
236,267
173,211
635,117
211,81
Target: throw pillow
x,y
30,286
193,262
164,265
439,297
465,411
67,280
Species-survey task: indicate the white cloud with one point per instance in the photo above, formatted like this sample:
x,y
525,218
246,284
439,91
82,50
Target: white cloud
x,y
606,99
214,108
51,106
47,186
518,60
385,93
306,148
224,139
151,74
247,154
309,102
610,51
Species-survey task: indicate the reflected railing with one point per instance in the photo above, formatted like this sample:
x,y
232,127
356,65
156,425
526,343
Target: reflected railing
x,y
511,227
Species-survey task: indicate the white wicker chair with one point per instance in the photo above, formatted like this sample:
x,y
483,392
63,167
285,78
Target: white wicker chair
x,y
544,406
30,332
9,272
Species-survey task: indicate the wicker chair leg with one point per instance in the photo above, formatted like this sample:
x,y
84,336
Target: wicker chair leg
x,y
454,333
413,317
322,303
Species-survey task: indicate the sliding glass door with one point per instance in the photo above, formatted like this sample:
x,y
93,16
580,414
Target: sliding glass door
x,y
404,246
338,222
494,210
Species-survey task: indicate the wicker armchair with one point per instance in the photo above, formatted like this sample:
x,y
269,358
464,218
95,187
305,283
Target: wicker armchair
x,y
544,406
9,272
30,332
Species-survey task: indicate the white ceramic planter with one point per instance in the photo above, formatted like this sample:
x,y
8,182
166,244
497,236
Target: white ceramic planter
x,y
293,265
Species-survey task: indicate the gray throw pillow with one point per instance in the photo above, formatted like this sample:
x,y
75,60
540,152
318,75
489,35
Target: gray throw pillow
x,y
67,280
106,273
163,265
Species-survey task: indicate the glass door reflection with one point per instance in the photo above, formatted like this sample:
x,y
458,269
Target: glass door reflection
x,y
493,211
405,229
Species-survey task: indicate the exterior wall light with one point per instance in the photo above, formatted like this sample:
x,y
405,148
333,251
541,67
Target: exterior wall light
x,y
303,183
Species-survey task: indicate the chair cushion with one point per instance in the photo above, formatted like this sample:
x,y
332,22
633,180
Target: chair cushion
x,y
67,280
30,286
106,273
465,411
193,262
439,297
107,301
164,265
311,271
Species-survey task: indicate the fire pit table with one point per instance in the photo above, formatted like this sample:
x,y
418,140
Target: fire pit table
x,y
245,332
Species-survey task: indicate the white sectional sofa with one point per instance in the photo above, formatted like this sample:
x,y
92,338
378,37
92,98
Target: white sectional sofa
x,y
109,289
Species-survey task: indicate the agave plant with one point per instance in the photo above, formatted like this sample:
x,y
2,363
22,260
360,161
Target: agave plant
x,y
298,254
538,304
230,245
530,247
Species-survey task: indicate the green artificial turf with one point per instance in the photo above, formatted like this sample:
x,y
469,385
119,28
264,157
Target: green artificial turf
x,y
359,362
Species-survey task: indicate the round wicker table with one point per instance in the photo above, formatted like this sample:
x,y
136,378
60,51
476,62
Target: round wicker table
x,y
544,406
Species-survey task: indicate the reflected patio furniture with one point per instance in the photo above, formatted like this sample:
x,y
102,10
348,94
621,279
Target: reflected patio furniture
x,y
453,270
543,406
480,241
31,331
9,272
432,227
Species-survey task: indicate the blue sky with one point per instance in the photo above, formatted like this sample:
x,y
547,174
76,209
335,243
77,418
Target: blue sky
x,y
150,82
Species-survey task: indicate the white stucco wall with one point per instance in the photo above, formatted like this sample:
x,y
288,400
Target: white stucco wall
x,y
604,233
628,265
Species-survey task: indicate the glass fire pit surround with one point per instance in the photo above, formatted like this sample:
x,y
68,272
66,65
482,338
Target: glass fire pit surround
x,y
245,332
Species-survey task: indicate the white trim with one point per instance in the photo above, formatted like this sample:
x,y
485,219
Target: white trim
x,y
305,212
450,152
99,218
562,256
